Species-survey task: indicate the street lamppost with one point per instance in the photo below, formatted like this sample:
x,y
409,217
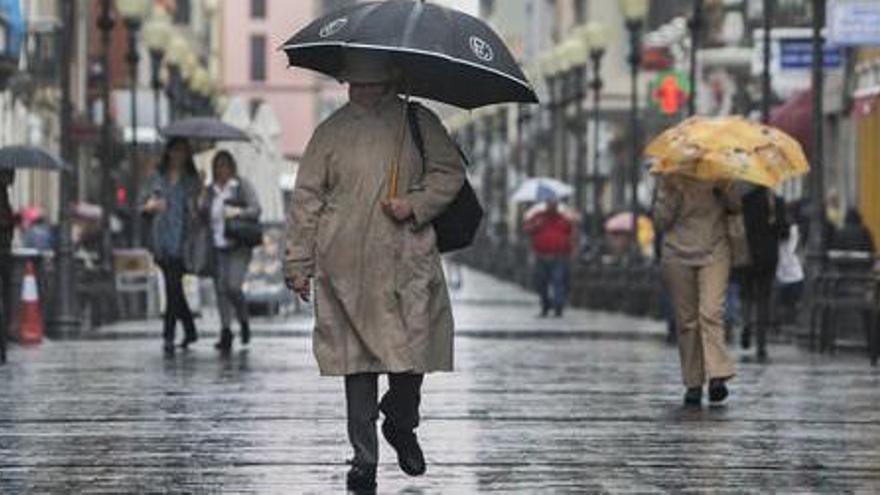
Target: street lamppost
x,y
157,35
573,56
175,55
65,321
696,27
105,26
817,189
766,88
634,11
596,39
133,12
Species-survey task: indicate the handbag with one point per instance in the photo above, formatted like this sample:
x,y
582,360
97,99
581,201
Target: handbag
x,y
457,225
243,231
740,255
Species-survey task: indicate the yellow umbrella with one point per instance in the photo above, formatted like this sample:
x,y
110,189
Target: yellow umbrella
x,y
727,148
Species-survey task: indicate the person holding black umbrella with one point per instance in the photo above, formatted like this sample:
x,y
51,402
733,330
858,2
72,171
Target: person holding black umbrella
x,y
170,201
382,305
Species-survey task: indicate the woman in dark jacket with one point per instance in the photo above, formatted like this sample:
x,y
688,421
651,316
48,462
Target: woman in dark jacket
x,y
229,196
766,225
170,200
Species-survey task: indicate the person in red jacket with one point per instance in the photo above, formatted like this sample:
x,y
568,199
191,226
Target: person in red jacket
x,y
551,234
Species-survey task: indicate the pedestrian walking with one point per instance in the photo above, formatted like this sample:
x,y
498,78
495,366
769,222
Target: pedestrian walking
x,y
363,236
696,257
8,221
790,272
551,234
229,200
766,226
170,202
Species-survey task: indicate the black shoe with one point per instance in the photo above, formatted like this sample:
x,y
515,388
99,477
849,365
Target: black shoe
x,y
225,342
559,312
694,397
762,356
717,390
189,339
245,333
168,347
544,312
409,453
745,339
361,479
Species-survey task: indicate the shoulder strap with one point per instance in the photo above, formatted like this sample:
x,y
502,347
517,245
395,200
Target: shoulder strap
x,y
415,131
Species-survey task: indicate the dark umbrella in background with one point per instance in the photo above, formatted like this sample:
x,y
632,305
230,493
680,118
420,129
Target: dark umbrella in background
x,y
442,54
29,157
205,129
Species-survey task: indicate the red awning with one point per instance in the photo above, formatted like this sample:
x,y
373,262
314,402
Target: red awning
x,y
795,117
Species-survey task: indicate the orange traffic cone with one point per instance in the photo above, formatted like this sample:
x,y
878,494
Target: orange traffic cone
x,y
30,318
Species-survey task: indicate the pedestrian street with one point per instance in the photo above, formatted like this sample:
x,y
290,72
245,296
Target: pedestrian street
x,y
591,406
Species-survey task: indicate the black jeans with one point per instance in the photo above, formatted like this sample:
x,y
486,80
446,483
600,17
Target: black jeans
x,y
400,406
757,291
176,307
5,301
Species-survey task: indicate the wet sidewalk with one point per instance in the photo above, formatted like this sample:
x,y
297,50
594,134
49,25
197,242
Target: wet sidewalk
x,y
483,306
520,415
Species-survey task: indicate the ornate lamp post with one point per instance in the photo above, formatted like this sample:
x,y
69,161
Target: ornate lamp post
x,y
573,53
134,11
157,35
815,244
766,88
634,11
596,39
175,56
696,26
105,25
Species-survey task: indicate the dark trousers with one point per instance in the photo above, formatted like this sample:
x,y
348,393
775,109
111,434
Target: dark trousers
x,y
757,294
400,405
176,307
5,301
551,281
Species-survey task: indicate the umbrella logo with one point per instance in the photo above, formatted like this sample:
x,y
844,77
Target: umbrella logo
x,y
333,27
482,50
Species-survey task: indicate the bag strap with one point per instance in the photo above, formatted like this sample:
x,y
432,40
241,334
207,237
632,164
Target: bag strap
x,y
415,130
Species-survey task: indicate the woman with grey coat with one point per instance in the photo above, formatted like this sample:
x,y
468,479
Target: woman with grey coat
x,y
229,196
169,202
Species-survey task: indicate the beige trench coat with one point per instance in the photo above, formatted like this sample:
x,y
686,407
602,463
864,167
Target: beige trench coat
x,y
381,302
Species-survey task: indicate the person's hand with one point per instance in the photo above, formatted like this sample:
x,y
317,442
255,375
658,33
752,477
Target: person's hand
x,y
154,205
301,286
399,209
232,212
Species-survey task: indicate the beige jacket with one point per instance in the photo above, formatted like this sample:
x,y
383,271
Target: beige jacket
x,y
693,219
381,300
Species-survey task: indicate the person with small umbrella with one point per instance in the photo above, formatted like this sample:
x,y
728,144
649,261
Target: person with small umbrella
x,y
381,301
551,235
170,202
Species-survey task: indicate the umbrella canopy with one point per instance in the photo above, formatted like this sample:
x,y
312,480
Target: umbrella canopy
x,y
564,210
795,117
441,54
727,148
29,157
542,189
204,128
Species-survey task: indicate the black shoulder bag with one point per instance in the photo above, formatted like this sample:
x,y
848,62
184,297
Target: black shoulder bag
x,y
457,226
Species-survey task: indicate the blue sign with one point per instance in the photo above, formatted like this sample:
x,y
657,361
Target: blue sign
x,y
798,54
854,22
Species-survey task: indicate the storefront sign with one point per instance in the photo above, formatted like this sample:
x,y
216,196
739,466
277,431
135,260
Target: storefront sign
x,y
797,53
854,22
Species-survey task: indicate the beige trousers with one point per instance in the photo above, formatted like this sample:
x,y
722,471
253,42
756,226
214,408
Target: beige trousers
x,y
698,294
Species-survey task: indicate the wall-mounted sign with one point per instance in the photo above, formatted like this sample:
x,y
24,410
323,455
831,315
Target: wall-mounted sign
x,y
670,91
854,22
798,54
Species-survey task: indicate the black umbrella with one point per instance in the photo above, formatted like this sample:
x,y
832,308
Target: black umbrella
x,y
206,128
29,157
443,54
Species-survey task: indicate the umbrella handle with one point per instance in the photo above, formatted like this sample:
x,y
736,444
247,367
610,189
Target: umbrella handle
x,y
394,174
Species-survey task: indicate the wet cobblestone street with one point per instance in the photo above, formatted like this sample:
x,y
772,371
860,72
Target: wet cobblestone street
x,y
559,414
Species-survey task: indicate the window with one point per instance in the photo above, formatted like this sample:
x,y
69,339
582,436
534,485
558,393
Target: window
x,y
487,8
580,11
182,11
258,57
258,9
328,6
254,107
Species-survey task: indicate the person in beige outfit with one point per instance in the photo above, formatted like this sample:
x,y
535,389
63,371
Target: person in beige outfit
x,y
381,301
696,260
